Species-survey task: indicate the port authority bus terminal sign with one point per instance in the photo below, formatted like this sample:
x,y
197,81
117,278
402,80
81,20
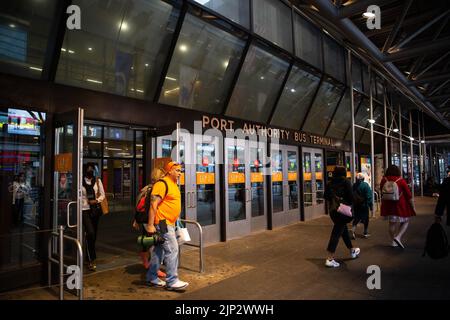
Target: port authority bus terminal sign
x,y
250,129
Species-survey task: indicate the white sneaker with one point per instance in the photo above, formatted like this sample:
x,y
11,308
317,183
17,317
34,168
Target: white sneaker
x,y
399,243
157,283
178,285
355,252
331,263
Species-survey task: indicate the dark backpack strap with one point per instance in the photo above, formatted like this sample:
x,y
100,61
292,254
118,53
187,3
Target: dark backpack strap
x,y
167,187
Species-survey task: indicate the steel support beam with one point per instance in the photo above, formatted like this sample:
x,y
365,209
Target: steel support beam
x,y
425,27
360,7
439,97
435,62
410,52
436,77
356,36
397,26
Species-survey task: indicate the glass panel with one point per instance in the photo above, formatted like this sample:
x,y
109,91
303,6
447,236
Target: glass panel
x,y
366,81
272,20
202,67
318,168
295,99
139,144
92,141
236,183
308,41
235,10
206,187
116,179
139,179
257,181
356,74
121,47
380,90
334,59
277,181
24,33
118,143
323,108
166,148
21,166
307,179
343,118
258,85
378,116
362,115
292,179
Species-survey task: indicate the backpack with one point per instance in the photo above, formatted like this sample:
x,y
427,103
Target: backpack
x,y
143,202
436,245
391,191
358,199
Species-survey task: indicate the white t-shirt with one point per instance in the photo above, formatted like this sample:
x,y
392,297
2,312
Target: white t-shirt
x,y
99,194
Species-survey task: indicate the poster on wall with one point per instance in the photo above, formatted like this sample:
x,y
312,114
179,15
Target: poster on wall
x,y
366,169
379,170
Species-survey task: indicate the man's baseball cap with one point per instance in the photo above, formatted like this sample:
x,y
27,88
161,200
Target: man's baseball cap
x,y
170,165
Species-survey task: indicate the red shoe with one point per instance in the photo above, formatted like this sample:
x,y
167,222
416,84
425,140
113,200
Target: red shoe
x,y
161,274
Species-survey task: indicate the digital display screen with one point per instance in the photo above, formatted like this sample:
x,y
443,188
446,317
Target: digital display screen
x,y
22,122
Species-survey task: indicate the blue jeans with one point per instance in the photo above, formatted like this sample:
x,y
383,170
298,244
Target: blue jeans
x,y
169,252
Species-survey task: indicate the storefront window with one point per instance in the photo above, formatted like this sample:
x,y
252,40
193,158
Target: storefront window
x,y
258,85
323,107
308,41
21,185
334,59
235,10
118,143
121,47
273,21
295,99
24,32
343,117
202,67
92,141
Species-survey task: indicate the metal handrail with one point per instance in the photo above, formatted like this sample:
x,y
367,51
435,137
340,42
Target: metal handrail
x,y
200,245
377,201
61,236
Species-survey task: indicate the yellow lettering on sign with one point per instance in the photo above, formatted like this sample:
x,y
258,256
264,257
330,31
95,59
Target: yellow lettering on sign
x,y
277,176
307,176
236,177
205,177
63,162
256,177
292,176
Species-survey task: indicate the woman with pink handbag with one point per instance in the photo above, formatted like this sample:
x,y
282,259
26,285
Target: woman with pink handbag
x,y
339,196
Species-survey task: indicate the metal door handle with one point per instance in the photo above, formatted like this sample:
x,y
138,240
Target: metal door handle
x,y
194,200
187,200
68,214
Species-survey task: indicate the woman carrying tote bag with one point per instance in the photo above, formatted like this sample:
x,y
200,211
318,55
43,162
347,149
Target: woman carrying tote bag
x,y
339,196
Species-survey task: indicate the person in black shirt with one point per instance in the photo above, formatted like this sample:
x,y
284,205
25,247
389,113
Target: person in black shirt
x,y
339,190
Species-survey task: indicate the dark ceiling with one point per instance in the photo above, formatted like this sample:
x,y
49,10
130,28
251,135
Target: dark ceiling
x,y
414,36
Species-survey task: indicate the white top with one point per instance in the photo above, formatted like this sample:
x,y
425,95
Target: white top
x,y
99,194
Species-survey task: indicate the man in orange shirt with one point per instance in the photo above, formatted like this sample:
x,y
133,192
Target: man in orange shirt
x,y
165,209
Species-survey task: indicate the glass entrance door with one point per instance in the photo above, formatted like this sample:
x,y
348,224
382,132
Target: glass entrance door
x,y
313,183
285,195
244,188
67,172
199,183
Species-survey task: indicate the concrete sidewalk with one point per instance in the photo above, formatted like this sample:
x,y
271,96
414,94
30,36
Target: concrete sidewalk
x,y
288,264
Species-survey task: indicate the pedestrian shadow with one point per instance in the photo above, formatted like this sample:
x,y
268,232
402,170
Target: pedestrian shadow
x,y
135,269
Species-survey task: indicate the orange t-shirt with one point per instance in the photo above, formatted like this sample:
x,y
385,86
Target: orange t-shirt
x,y
170,206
